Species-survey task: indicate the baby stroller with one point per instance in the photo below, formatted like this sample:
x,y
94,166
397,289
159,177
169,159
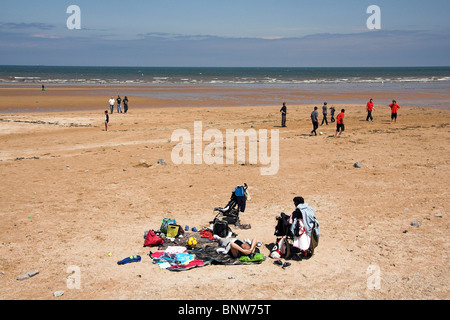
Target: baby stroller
x,y
230,213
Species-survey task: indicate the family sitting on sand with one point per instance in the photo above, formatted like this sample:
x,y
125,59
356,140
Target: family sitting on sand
x,y
217,243
297,236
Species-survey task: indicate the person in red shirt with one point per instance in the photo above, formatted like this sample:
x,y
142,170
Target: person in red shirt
x,y
340,123
369,110
394,107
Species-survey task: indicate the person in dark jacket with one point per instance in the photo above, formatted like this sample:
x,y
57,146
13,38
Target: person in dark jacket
x,y
325,113
315,121
283,111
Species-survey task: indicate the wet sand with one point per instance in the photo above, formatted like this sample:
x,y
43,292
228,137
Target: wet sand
x,y
30,98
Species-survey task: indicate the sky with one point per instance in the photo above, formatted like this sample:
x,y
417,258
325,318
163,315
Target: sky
x,y
226,33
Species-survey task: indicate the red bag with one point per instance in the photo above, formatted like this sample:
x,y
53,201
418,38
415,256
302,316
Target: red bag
x,y
152,239
207,234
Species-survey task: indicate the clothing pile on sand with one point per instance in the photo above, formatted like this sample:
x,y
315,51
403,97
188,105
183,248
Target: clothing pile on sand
x,y
170,247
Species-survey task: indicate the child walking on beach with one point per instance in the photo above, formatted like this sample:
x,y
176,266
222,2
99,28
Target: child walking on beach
x,y
369,110
332,111
340,123
394,107
106,120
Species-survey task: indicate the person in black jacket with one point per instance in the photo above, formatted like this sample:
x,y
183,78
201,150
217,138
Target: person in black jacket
x,y
315,121
283,111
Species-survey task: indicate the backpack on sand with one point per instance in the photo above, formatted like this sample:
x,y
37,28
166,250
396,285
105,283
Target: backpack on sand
x,y
221,228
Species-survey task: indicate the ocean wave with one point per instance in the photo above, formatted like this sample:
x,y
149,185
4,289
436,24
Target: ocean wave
x,y
218,81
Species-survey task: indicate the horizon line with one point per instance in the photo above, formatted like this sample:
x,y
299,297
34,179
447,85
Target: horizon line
x,y
225,67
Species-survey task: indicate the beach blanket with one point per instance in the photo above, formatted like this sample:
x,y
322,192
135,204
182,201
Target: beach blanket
x,y
209,253
181,241
176,259
173,260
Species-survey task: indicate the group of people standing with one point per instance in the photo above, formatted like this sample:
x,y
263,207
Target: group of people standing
x,y
119,102
340,117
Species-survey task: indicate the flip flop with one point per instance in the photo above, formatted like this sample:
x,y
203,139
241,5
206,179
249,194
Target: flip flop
x,y
278,262
286,265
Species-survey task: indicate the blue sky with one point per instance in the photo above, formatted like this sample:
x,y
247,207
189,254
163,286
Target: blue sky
x,y
293,33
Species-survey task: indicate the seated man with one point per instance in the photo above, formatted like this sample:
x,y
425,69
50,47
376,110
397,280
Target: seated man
x,y
302,222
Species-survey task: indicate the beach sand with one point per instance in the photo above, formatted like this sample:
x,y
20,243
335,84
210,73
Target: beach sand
x,y
71,193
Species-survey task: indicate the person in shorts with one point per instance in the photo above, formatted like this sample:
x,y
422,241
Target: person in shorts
x,y
106,120
394,107
240,248
340,123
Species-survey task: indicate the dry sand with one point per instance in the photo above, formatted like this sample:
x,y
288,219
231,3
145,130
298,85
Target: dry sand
x,y
71,193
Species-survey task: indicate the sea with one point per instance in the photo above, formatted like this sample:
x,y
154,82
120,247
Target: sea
x,y
225,75
418,86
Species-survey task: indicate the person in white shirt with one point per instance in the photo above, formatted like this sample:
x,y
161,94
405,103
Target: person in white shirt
x,y
111,104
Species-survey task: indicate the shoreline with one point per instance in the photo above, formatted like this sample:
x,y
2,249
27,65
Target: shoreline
x,y
60,98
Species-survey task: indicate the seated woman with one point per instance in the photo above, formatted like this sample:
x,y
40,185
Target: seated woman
x,y
239,248
235,247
